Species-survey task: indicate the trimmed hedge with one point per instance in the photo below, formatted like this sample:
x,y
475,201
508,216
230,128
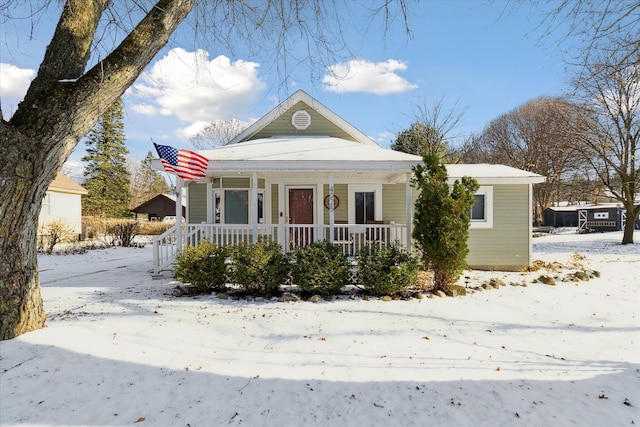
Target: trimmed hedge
x,y
320,268
260,268
204,266
387,271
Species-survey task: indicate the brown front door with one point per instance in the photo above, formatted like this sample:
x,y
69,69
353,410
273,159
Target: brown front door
x,y
300,212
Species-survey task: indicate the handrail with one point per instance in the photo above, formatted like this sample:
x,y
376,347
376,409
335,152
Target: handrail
x,y
351,238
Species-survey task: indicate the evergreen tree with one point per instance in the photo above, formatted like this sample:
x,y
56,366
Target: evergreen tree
x,y
441,220
146,182
106,175
420,140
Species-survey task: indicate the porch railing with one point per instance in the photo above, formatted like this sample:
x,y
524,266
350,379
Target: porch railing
x,y
351,238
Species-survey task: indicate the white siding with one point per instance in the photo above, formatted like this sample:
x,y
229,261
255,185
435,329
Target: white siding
x,y
62,206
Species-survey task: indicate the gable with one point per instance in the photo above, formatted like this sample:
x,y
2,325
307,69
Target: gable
x,y
319,125
323,122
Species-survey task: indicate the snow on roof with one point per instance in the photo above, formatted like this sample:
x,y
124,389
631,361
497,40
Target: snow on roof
x,y
307,152
330,153
492,174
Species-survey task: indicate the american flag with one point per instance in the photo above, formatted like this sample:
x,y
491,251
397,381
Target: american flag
x,y
187,164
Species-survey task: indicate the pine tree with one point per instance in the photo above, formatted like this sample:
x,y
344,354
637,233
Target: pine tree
x,y
146,182
106,175
441,220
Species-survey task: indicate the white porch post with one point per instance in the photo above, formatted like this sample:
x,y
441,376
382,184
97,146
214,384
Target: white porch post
x,y
210,207
409,198
179,183
254,205
331,208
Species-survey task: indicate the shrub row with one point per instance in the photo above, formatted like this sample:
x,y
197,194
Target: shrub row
x,y
320,268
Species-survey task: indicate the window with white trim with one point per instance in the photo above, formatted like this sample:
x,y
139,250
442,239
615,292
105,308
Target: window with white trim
x,y
46,204
365,206
365,203
481,213
233,207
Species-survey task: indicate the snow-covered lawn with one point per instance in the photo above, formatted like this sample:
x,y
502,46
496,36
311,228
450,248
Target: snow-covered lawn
x,y
119,350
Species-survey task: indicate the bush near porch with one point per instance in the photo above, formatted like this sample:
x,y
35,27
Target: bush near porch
x,y
261,269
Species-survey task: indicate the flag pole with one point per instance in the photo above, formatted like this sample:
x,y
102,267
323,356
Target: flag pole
x,y
178,194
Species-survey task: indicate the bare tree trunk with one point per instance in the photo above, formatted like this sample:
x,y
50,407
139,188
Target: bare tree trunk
x,y
60,107
629,226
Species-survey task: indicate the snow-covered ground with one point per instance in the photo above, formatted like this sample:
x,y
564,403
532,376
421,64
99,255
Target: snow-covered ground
x,y
119,350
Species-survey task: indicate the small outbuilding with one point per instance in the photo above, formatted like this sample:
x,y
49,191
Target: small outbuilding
x,y
62,202
561,216
158,207
587,218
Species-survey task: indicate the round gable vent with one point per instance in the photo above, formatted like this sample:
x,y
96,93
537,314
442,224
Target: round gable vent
x,y
301,120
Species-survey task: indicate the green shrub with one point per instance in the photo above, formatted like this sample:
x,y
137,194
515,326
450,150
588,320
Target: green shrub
x,y
204,266
320,268
386,271
260,268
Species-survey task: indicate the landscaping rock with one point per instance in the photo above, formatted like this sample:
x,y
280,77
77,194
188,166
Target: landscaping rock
x,y
487,286
496,283
459,290
420,295
288,298
222,295
547,280
315,298
596,273
386,298
581,275
440,294
451,293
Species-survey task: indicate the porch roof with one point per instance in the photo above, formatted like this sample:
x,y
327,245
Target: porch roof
x,y
300,156
306,153
291,155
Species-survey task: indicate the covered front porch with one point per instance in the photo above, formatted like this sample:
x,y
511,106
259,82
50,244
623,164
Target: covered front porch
x,y
351,238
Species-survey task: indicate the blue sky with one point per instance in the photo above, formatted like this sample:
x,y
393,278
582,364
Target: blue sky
x,y
486,56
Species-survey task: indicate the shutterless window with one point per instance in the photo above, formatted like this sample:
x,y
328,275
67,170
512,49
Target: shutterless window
x,y
260,208
46,204
236,207
217,207
478,212
365,206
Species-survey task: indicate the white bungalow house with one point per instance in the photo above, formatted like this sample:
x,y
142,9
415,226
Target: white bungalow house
x,y
62,201
302,173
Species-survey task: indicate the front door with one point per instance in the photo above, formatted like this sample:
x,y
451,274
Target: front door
x,y
300,212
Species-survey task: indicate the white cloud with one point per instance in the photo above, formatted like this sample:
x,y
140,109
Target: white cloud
x,y
359,75
14,83
384,138
146,109
192,130
196,89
